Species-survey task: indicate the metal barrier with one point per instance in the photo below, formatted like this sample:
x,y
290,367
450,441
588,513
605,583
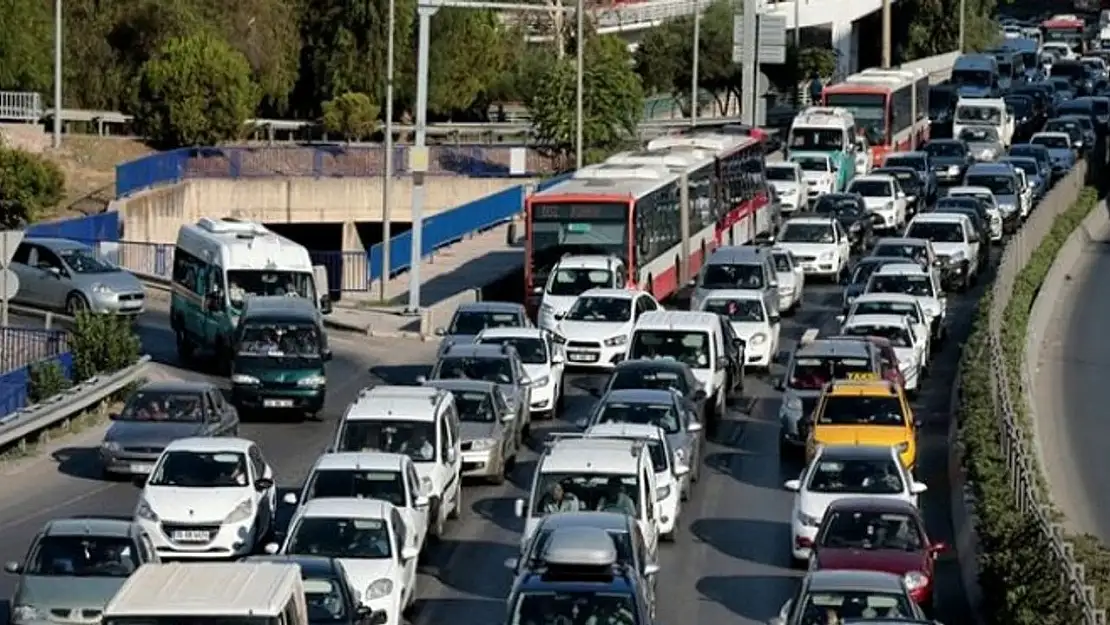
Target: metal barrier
x,y
14,385
20,347
20,106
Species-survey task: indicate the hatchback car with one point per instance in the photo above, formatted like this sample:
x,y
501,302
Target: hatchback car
x,y
471,318
663,408
499,364
59,274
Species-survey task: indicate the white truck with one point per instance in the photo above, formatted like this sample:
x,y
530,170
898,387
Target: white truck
x,y
992,112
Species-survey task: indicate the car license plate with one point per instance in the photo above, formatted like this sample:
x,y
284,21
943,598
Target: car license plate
x,y
190,536
580,357
277,403
141,468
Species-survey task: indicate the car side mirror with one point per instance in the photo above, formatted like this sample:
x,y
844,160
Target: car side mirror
x,y
263,483
441,332
722,363
507,417
740,343
113,416
54,271
694,427
290,499
780,384
512,563
214,302
901,195
13,567
557,359
518,508
938,548
525,381
560,316
410,553
537,290
139,480
840,318
420,502
774,318
680,469
326,355
700,395
420,379
651,569
918,487
973,238
379,617
325,305
581,423
793,485
271,548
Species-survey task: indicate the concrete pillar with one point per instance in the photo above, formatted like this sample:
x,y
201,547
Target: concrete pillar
x,y
354,264
351,241
841,36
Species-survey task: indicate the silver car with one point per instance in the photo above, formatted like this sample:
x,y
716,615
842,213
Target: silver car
x,y
472,317
489,430
982,142
74,567
66,275
499,364
664,408
159,413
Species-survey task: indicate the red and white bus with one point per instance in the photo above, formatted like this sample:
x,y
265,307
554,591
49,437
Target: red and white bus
x,y
631,207
890,106
1067,29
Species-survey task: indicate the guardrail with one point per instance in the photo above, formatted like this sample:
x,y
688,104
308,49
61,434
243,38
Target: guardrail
x,y
20,106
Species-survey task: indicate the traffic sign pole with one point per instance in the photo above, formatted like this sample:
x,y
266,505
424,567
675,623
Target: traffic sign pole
x,y
9,282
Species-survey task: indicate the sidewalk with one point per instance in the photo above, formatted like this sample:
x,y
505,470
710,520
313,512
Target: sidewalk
x,y
451,276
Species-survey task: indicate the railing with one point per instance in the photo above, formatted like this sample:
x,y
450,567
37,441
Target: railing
x,y
20,106
20,347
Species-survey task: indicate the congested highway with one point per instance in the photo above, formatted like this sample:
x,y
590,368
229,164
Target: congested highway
x,y
729,564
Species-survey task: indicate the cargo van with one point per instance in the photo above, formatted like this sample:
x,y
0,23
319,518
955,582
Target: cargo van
x,y
976,76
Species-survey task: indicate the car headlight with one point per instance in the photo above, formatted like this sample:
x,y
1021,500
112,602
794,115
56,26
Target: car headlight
x,y
855,225
889,206
313,381
680,455
1007,208
426,484
663,492
903,447
110,446
616,340
849,299
953,170
758,338
242,512
915,580
808,520
144,511
957,257
242,378
102,289
483,444
22,613
541,382
827,255
380,588
548,308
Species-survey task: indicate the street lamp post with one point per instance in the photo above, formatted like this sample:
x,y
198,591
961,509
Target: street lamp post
x,y
579,71
387,176
57,139
694,69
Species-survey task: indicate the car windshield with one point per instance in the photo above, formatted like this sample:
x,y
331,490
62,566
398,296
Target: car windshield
x,y
909,284
1024,150
736,309
1083,122
192,469
661,415
937,231
836,205
577,281
342,483
340,538
741,276
1055,142
840,606
781,173
646,378
475,407
1027,165
542,607
600,308
243,283
820,139
414,438
862,410
565,492
278,340
970,114
498,370
807,233
621,540
887,308
945,149
471,322
898,337
870,188
976,134
906,178
864,269
325,600
871,529
1069,127
961,201
177,406
812,163
916,253
810,374
782,262
84,261
904,161
532,351
83,556
999,185
689,348
1022,105
856,477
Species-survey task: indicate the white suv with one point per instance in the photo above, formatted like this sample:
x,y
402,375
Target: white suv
x,y
819,244
787,180
572,276
955,242
883,196
543,361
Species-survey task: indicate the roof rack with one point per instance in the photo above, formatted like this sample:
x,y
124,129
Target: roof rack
x,y
579,554
555,437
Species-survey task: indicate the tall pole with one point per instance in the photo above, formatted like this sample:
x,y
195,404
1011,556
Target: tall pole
x,y
963,16
694,71
387,177
419,163
750,65
57,141
579,113
886,34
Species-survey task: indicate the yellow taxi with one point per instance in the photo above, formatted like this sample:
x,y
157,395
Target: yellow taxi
x,y
866,410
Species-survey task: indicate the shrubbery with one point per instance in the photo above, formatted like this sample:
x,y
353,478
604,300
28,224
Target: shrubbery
x,y
45,380
1019,586
29,185
102,344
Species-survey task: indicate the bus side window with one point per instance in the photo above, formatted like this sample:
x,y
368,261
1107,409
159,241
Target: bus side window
x,y
215,280
186,270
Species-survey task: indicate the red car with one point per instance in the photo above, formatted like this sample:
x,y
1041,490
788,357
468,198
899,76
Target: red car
x,y
884,535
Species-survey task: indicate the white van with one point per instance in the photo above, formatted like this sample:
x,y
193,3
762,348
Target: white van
x,y
575,473
218,264
421,422
992,112
256,593
738,267
573,276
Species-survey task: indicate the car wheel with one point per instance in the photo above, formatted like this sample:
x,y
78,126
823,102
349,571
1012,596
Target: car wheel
x,y
75,304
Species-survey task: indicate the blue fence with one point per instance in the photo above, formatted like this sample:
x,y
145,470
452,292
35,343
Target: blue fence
x,y
21,348
102,227
14,384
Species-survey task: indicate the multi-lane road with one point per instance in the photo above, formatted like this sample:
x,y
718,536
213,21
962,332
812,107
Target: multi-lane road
x,y
729,565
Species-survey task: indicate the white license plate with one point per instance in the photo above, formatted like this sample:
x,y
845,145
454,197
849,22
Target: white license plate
x,y
277,403
193,536
582,357
141,468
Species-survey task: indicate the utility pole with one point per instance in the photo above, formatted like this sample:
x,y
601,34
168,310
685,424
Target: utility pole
x,y
57,139
579,96
387,178
886,34
694,71
750,67
963,26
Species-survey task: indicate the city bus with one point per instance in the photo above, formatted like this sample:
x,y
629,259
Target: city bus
x,y
1068,29
632,207
890,106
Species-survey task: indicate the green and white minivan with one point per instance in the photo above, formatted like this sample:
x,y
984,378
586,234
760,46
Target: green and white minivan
x,y
218,264
831,131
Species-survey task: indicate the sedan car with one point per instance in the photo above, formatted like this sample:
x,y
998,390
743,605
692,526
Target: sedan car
x,y
920,163
950,159
861,273
658,373
843,596
489,429
472,317
158,414
543,361
499,364
792,280
60,274
851,211
916,199
1061,152
663,408
1034,174
328,594
982,142
1081,139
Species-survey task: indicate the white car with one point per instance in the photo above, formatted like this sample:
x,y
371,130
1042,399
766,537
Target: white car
x,y
752,320
986,196
892,304
792,280
369,475
595,331
838,472
671,484
818,244
883,196
913,279
573,276
786,178
1060,49
955,242
543,361
911,349
1027,199
372,542
818,172
208,498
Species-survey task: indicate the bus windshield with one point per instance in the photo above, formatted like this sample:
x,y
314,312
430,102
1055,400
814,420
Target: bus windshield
x,y
558,229
242,283
820,139
972,77
869,110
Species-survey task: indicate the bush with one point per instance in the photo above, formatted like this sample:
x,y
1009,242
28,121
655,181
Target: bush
x,y
102,344
1018,587
29,185
46,379
352,115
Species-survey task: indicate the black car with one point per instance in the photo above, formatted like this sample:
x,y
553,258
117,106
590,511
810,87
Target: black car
x,y
911,184
328,595
853,216
942,109
856,281
1041,93
1025,119
982,226
949,158
658,374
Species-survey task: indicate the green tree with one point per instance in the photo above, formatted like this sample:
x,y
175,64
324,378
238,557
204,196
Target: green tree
x,y
467,58
196,91
102,344
29,185
352,115
613,102
26,37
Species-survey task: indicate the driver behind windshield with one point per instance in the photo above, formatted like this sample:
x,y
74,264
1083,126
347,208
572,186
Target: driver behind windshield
x,y
615,499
